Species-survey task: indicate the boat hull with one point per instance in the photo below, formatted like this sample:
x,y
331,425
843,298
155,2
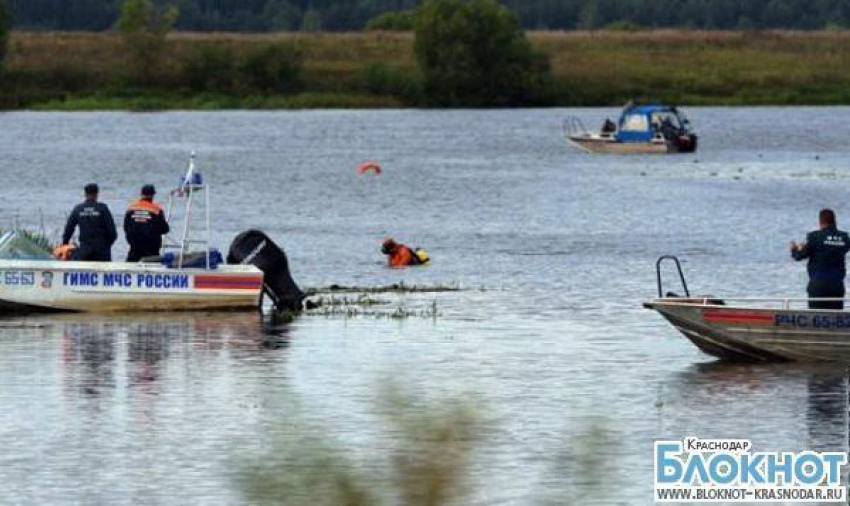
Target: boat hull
x,y
29,286
595,143
598,144
758,334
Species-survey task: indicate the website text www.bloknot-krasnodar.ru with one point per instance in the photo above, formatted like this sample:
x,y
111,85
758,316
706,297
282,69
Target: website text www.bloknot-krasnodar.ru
x,y
728,470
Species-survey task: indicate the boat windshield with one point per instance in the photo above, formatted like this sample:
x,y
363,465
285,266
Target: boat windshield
x,y
21,245
634,123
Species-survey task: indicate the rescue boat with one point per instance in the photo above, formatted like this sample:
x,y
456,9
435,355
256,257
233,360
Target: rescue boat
x,y
752,329
31,280
641,129
44,285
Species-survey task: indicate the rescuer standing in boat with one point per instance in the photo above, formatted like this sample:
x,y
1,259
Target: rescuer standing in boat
x,y
825,249
144,226
97,228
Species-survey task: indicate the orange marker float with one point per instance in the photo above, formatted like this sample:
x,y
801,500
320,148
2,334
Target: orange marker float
x,y
371,165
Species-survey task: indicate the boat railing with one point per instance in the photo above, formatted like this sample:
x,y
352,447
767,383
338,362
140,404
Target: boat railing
x,y
574,126
678,264
748,302
191,184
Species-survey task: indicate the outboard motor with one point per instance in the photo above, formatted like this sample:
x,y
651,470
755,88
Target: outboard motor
x,y
254,247
686,143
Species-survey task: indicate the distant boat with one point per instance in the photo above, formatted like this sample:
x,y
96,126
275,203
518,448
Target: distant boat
x,y
641,129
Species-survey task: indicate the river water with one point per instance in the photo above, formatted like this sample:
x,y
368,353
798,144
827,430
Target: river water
x,y
553,251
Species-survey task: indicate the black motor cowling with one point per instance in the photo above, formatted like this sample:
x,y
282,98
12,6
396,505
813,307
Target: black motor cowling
x,y
254,247
686,143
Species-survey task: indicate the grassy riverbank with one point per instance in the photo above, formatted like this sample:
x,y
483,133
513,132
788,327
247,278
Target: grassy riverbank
x,y
87,71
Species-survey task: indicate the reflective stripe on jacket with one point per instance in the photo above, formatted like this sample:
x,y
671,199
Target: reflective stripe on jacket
x,y
144,225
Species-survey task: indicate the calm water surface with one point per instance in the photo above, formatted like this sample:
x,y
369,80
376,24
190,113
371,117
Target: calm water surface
x,y
554,250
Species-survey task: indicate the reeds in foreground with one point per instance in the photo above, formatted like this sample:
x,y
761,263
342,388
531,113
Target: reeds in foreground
x,y
428,466
434,457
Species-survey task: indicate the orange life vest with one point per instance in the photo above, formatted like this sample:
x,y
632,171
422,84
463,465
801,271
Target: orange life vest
x,y
64,252
144,204
401,256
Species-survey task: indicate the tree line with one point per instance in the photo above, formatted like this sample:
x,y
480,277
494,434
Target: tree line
x,y
471,53
700,14
339,15
210,15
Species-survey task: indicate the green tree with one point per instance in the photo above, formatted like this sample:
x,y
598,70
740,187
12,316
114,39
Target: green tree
x,y
212,67
310,15
401,21
143,27
281,15
5,24
312,21
778,13
475,53
273,67
589,15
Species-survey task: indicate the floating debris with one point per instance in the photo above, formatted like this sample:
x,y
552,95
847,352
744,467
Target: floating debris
x,y
23,325
393,288
398,313
369,306
363,300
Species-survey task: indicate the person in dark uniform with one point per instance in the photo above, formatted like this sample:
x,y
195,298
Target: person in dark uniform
x,y
144,226
97,228
825,249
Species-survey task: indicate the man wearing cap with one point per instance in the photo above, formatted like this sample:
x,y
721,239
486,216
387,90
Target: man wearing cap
x,y
97,228
144,226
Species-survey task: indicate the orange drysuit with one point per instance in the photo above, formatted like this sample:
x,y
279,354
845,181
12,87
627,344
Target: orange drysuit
x,y
399,255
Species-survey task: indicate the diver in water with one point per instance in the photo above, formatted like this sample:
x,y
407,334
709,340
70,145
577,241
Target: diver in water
x,y
399,255
825,249
144,226
97,228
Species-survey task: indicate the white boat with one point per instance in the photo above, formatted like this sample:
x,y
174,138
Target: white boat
x,y
641,129
45,285
179,280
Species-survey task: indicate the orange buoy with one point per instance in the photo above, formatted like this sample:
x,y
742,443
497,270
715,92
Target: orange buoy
x,y
371,165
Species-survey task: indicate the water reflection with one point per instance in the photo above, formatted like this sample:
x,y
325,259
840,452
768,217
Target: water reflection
x,y
827,409
148,345
89,357
761,402
136,400
96,348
